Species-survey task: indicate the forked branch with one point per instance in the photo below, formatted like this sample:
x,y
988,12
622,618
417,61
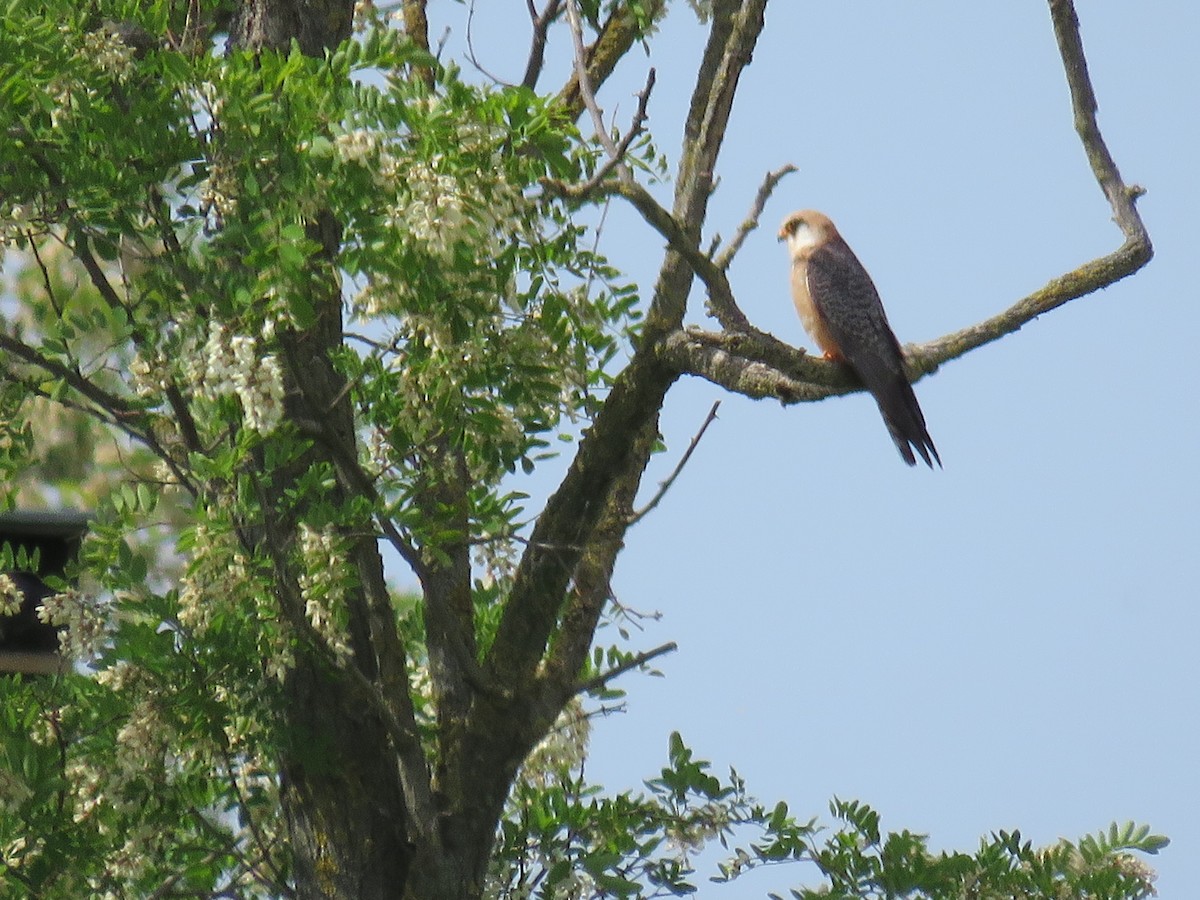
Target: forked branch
x,y
747,361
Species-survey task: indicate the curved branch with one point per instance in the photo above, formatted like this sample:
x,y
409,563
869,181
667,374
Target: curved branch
x,y
738,364
1088,278
1083,103
755,364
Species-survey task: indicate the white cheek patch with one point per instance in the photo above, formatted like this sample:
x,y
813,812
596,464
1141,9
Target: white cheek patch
x,y
803,237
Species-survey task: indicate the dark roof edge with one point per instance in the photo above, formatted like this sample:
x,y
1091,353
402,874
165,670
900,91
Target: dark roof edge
x,y
48,523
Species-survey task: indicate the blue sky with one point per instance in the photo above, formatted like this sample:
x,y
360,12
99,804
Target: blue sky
x,y
1010,642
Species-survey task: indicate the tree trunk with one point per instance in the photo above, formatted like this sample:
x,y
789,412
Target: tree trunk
x,y
340,786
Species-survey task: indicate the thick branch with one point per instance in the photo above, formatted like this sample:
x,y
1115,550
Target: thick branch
x,y
735,29
736,363
592,579
606,455
569,518
537,48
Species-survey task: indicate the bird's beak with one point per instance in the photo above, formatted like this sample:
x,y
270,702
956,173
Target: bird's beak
x,y
782,236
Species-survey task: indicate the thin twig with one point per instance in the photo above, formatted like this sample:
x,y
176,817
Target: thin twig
x,y
471,49
633,662
585,81
751,221
46,280
670,480
636,127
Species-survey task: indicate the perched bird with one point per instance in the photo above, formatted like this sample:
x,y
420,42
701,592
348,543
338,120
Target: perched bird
x,y
841,311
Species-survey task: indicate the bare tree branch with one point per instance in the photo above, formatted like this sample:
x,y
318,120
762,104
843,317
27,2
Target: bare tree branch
x,y
735,363
537,49
606,459
1083,102
615,150
683,461
722,303
630,664
750,223
585,84
616,36
736,25
471,55
592,578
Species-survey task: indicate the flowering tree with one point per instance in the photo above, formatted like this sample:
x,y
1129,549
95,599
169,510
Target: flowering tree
x,y
314,297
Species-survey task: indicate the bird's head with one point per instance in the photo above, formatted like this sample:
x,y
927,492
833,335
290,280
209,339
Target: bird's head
x,y
806,229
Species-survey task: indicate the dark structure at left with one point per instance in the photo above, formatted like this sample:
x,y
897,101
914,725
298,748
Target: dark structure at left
x,y
28,645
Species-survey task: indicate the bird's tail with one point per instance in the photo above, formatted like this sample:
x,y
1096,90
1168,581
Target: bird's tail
x,y
906,424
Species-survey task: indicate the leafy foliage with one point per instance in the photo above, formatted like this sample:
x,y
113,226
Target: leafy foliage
x,y
175,215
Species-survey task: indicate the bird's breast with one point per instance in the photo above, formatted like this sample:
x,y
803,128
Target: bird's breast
x,y
810,316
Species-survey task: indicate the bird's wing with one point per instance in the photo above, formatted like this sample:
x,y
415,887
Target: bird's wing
x,y
844,295
847,301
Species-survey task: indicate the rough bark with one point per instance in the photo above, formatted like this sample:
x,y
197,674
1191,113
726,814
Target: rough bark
x,y
342,792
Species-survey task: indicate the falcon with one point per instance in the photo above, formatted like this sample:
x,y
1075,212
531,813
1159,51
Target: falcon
x,y
842,312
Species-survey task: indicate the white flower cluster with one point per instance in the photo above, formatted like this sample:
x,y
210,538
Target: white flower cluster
x,y
105,49
120,676
150,377
562,750
14,222
1128,864
213,581
432,210
141,751
133,858
365,15
322,585
430,202
89,786
218,192
141,737
10,596
62,92
232,365
694,832
21,852
358,146
80,620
